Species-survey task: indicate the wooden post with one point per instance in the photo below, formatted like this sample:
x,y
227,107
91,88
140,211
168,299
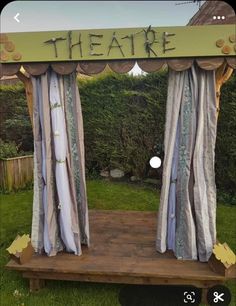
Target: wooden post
x,y
223,73
28,91
36,284
204,296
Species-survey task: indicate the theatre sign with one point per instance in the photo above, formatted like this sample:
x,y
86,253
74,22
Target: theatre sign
x,y
115,44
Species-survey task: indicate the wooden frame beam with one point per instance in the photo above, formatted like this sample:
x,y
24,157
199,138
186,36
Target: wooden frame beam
x,y
28,91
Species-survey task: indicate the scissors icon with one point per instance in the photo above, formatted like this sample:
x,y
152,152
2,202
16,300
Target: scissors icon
x,y
218,297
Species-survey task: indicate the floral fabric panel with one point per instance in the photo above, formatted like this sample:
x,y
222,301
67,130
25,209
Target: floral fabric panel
x,y
74,126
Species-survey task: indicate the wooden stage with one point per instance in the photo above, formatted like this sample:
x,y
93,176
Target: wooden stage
x,y
122,251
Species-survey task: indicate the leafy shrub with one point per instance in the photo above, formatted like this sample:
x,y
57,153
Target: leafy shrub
x,y
15,123
8,149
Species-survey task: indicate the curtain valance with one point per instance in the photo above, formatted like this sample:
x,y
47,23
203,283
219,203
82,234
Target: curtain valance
x,y
122,66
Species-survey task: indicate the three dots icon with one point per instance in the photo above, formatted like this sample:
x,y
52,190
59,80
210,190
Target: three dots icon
x,y
218,17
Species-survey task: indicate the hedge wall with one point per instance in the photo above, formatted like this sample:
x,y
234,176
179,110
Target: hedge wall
x,y
226,140
124,121
15,123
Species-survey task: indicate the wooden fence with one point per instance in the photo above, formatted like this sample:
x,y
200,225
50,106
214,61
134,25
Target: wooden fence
x,y
16,173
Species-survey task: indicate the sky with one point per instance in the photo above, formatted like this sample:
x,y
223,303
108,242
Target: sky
x,y
65,15
71,15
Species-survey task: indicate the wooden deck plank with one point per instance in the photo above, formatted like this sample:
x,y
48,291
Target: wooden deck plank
x,y
122,251
120,279
132,266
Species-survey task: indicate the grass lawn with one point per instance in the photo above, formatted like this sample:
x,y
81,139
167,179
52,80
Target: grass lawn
x,y
16,212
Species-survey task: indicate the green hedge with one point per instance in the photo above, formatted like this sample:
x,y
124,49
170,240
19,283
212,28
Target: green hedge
x,y
9,149
226,141
124,124
15,122
123,121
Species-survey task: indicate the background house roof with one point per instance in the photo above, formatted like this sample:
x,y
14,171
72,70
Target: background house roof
x,y
214,8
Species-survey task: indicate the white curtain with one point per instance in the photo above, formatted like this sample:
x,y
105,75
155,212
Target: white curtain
x,y
62,179
60,210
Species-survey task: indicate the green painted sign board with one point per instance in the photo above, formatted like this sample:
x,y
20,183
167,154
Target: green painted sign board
x,y
118,44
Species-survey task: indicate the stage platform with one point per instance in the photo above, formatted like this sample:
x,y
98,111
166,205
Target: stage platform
x,y
122,251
